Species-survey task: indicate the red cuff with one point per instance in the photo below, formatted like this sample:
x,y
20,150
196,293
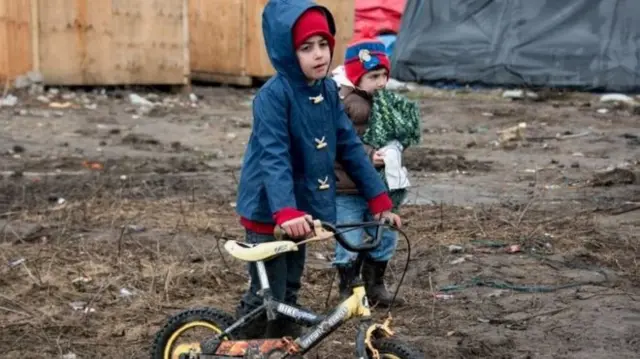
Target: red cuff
x,y
257,227
380,203
287,214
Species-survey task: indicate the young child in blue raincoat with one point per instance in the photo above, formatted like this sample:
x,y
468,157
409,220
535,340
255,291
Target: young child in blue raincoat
x,y
299,130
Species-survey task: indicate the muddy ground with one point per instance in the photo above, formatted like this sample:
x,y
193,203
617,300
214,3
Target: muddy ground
x,y
112,214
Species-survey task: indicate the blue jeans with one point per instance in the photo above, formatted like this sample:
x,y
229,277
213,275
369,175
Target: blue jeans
x,y
354,208
284,273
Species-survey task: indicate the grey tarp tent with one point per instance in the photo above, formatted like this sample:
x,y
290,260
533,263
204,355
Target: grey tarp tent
x,y
584,44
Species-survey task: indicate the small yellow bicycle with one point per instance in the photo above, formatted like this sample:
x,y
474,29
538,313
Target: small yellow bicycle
x,y
373,340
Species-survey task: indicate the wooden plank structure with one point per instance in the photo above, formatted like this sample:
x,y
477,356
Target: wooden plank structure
x,y
226,42
113,42
16,57
96,42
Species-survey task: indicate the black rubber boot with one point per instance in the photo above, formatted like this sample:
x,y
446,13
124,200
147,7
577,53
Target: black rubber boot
x,y
282,327
347,274
253,330
373,276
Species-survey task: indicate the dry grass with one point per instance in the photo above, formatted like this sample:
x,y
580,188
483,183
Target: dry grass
x,y
92,249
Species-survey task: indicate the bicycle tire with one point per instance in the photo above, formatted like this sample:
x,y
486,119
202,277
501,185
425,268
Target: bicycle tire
x,y
391,348
209,318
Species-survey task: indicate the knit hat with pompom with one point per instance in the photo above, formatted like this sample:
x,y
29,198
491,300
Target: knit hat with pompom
x,y
365,53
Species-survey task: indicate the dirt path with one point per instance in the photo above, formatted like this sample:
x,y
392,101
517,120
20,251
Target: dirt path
x,y
74,177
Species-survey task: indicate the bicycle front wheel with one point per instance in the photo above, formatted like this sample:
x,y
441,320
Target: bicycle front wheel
x,y
395,349
166,344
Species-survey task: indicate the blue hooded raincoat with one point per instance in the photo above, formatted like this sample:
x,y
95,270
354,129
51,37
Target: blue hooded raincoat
x,y
299,131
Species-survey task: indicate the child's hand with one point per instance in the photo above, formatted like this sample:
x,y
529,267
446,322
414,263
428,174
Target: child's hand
x,y
392,217
378,158
298,227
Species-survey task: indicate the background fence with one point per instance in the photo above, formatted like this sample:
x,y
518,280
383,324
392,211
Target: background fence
x,y
111,42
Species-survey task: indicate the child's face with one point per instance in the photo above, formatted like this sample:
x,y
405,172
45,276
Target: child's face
x,y
314,56
374,80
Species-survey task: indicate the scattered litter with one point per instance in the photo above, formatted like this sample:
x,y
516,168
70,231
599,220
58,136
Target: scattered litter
x,y
22,82
135,228
68,96
603,111
193,97
496,293
144,110
519,94
455,249
515,133
125,293
123,177
60,104
617,97
487,114
578,154
233,204
483,320
574,135
43,99
8,101
70,356
93,165
79,305
92,106
17,262
460,260
443,296
81,280
514,248
35,77
139,100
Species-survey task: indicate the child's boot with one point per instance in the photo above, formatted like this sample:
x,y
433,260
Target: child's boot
x,y
282,327
347,273
253,330
373,275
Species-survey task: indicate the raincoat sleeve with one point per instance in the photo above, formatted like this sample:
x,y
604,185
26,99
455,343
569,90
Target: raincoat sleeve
x,y
272,132
353,157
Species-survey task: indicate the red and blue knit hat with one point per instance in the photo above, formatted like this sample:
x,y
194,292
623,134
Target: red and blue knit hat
x,y
363,55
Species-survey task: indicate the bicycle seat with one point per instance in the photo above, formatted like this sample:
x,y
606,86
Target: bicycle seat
x,y
258,252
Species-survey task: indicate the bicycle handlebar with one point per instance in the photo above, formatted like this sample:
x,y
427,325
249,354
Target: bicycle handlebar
x,y
280,234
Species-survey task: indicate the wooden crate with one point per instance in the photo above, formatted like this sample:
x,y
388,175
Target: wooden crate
x,y
226,42
15,40
112,42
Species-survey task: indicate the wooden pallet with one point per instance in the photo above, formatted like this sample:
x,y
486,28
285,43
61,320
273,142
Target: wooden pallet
x,y
226,42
